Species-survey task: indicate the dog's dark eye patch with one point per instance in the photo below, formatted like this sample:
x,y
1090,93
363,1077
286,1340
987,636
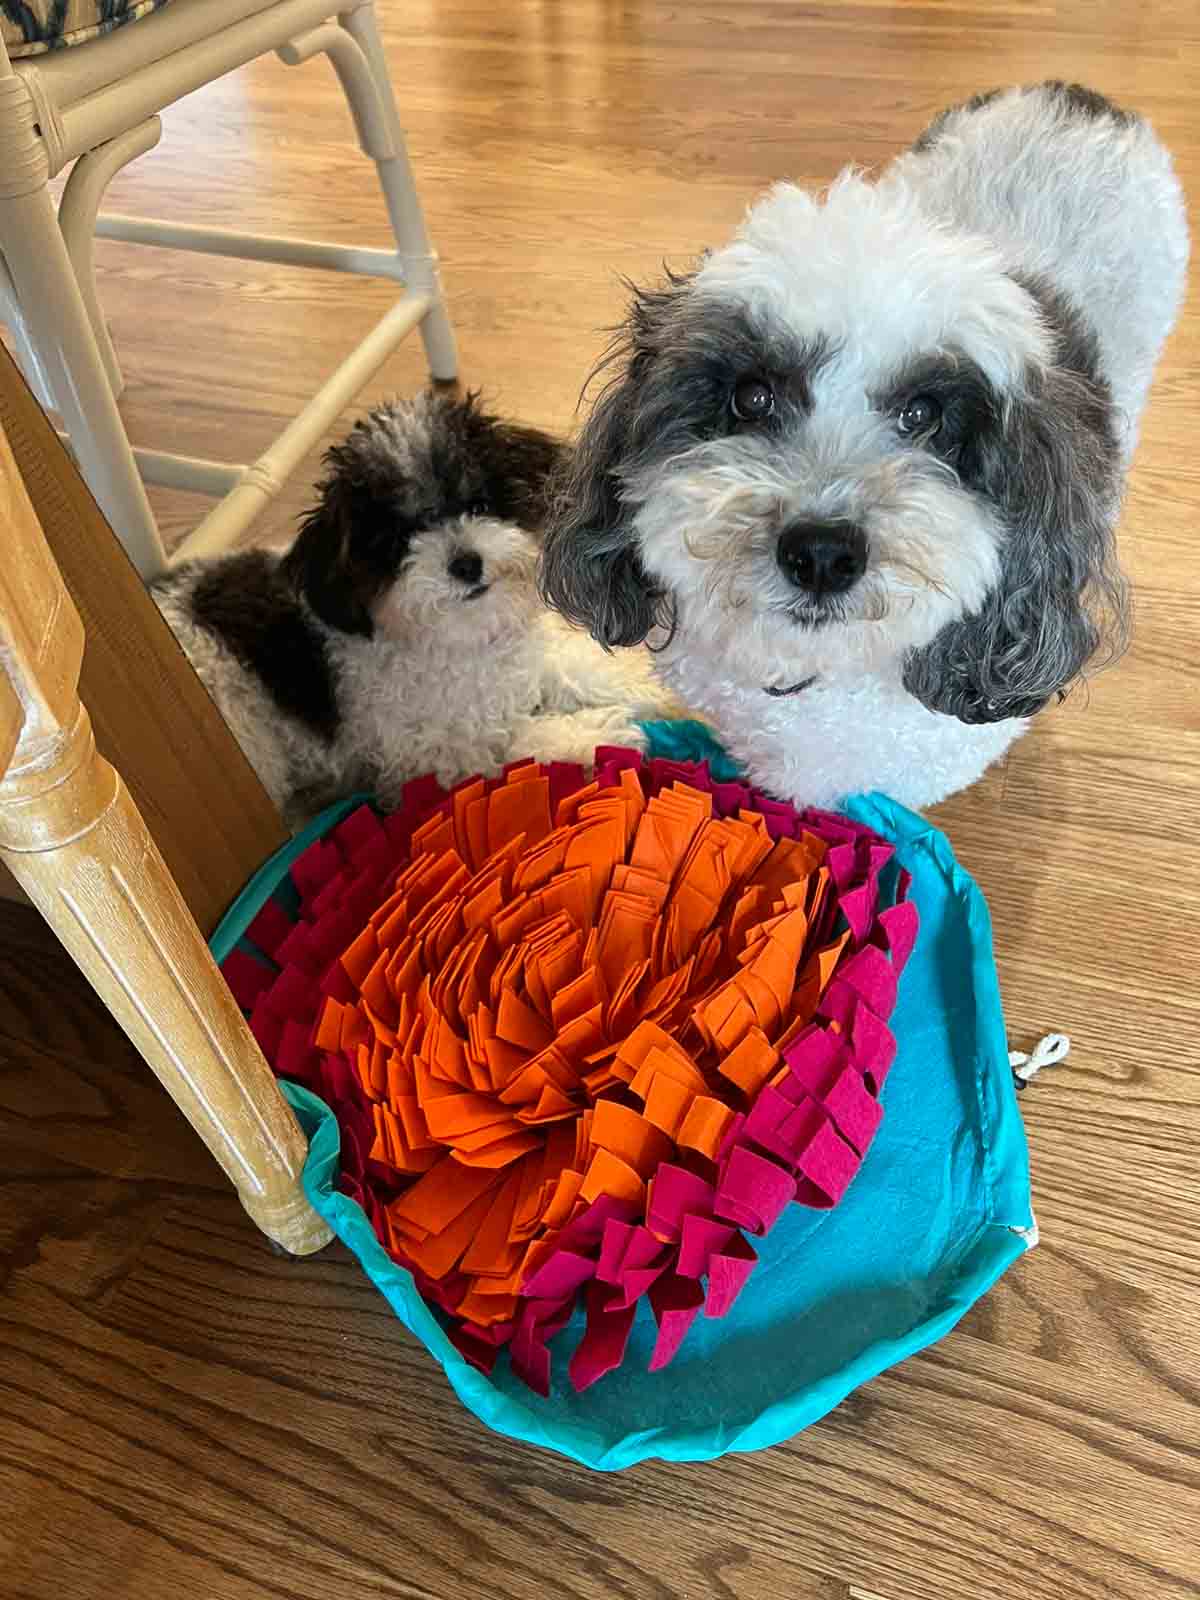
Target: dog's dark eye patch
x,y
956,389
709,359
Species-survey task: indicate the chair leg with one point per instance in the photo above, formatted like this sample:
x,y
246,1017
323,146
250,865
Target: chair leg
x,y
56,320
76,843
400,195
77,212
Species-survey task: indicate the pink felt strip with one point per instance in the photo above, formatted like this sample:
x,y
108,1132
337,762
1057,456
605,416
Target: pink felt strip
x,y
267,1027
675,1193
858,907
293,994
269,927
729,1270
856,1113
754,1192
700,1239
899,924
871,975
676,1303
602,1348
874,1047
562,1274
623,1247
826,1166
247,977
312,870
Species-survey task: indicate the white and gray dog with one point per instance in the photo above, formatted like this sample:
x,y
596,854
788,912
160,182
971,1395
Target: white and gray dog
x,y
402,633
859,473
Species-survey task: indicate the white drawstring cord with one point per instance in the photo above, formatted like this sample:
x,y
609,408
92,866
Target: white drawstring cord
x,y
1050,1049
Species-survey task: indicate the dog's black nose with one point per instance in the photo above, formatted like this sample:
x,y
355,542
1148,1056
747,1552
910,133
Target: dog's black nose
x,y
466,566
822,558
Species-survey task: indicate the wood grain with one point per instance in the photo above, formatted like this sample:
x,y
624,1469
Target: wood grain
x,y
180,1412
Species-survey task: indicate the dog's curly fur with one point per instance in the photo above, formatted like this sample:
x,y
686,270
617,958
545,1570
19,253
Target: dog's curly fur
x,y
402,632
858,474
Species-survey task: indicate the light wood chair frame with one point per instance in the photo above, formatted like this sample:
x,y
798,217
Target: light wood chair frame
x,y
97,105
78,846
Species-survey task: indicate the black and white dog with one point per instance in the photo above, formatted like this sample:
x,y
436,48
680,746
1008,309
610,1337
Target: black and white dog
x,y
402,632
859,472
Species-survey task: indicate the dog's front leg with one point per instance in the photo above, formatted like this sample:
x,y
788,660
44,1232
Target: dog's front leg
x,y
574,736
577,674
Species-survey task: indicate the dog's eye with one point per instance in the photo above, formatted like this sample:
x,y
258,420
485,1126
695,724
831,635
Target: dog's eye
x,y
752,400
920,415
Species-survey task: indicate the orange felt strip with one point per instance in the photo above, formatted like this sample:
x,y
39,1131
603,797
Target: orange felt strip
x,y
446,1054
481,1150
636,881
384,912
608,1174
524,771
525,1214
623,1133
361,956
519,809
465,796
558,1208
378,1150
508,925
519,1024
435,1200
412,1119
482,907
635,804
439,1253
667,1102
552,1106
751,1062
581,1035
598,846
766,1004
659,1063
577,998
362,1066
504,1061
568,806
434,837
705,1125
539,865
383,1025
487,1309
453,1114
571,893
327,1034
377,1058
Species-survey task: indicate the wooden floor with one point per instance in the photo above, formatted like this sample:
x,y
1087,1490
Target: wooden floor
x,y
182,1413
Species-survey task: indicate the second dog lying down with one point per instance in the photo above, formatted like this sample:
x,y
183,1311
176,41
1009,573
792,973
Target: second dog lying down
x,y
402,632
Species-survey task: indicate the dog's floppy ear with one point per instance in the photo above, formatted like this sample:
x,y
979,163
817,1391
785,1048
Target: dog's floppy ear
x,y
519,464
1051,468
590,570
330,560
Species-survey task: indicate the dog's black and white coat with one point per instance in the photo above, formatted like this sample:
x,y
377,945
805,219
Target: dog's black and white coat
x,y
860,471
402,632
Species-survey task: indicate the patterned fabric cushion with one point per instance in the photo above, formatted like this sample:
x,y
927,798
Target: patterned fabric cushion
x,y
32,26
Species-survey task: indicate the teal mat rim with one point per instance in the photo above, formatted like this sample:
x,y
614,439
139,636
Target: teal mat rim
x,y
1002,1239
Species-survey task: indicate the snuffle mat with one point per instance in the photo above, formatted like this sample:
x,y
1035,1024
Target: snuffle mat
x,y
665,1115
